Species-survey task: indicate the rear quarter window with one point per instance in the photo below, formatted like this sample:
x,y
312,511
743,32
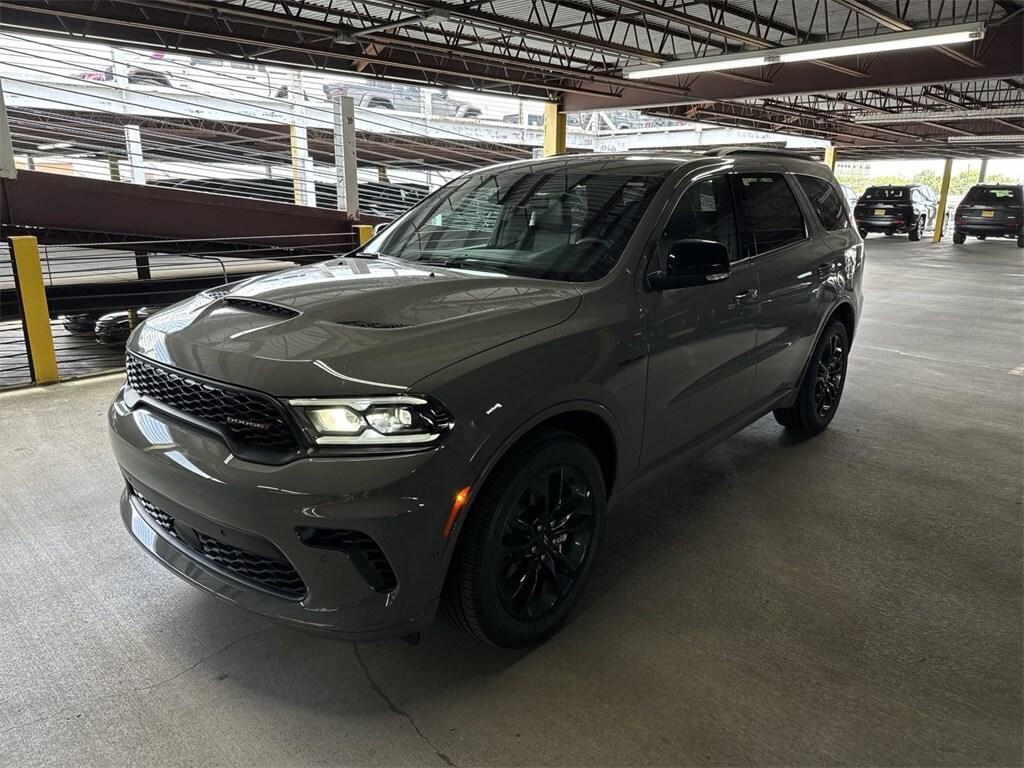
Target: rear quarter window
x,y
826,202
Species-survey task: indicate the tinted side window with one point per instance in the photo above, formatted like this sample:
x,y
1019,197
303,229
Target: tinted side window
x,y
769,215
705,212
825,201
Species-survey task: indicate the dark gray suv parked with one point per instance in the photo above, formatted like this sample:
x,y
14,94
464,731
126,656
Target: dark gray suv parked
x,y
440,417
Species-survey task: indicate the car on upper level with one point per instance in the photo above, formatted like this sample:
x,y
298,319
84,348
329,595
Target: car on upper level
x,y
440,417
990,210
896,209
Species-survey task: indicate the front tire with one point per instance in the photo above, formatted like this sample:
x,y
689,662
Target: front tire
x,y
822,384
530,542
959,238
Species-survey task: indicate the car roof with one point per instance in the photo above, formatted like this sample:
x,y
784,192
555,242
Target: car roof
x,y
667,158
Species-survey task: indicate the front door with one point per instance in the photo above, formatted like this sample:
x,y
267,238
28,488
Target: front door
x,y
701,339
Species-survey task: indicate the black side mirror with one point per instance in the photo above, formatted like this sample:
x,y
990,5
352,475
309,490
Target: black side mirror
x,y
692,263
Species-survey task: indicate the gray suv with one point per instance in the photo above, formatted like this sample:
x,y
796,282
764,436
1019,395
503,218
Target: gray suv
x,y
440,417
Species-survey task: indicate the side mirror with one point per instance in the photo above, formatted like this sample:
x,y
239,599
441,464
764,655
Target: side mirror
x,y
691,263
378,228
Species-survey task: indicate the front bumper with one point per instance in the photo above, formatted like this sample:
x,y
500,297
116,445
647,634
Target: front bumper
x,y
399,502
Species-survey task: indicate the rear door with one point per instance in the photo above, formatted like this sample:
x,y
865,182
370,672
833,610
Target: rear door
x,y
700,339
792,267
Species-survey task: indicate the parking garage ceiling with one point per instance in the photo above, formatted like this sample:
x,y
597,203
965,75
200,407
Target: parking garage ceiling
x,y
966,99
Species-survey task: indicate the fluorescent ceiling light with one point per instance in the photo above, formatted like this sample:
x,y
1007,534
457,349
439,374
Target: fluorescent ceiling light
x,y
939,116
707,64
60,145
999,138
896,42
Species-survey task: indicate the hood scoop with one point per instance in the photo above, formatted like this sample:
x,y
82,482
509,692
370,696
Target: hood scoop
x,y
263,307
374,324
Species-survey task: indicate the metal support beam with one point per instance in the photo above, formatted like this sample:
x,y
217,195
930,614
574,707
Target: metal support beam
x,y
133,144
869,11
28,279
940,218
554,130
7,168
364,232
983,171
303,185
345,155
830,157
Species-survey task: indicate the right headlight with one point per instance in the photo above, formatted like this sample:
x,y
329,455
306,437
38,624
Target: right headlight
x,y
396,420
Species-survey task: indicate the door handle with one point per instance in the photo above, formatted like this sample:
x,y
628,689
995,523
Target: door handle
x,y
746,295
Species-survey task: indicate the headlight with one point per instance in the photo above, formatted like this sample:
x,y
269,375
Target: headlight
x,y
372,421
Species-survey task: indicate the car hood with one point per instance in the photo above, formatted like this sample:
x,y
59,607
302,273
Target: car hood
x,y
350,326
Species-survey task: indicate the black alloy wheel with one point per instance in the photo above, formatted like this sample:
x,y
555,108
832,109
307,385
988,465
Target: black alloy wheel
x,y
529,543
822,385
545,542
829,375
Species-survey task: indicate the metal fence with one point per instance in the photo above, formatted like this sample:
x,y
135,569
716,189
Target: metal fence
x,y
95,296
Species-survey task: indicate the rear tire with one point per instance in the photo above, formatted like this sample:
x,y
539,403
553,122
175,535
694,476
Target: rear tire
x,y
822,386
530,542
915,232
1020,239
959,238
982,237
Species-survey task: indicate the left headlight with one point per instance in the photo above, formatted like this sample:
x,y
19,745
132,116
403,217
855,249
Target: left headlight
x,y
400,420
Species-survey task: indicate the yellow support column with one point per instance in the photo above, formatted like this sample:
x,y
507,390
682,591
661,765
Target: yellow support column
x,y
364,232
554,130
940,214
830,158
28,273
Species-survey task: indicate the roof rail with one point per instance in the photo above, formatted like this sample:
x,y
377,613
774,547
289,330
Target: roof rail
x,y
795,154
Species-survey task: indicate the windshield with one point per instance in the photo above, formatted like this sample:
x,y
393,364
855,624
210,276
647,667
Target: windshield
x,y
994,197
557,222
887,193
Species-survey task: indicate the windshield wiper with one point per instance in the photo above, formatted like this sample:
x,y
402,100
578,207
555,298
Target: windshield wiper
x,y
459,262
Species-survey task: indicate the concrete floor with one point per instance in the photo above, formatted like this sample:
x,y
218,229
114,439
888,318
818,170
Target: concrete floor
x,y
854,599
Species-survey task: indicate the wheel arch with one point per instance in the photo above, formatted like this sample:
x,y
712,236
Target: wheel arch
x,y
590,421
846,314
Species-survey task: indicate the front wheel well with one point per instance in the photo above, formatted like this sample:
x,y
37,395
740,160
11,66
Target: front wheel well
x,y
592,431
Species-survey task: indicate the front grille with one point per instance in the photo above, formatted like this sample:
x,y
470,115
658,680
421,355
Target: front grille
x,y
367,556
261,306
249,418
276,575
